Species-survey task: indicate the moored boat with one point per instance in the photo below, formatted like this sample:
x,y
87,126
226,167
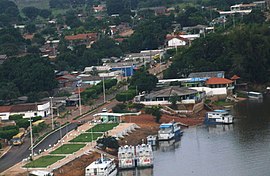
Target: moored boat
x,y
255,95
126,157
218,117
101,167
144,155
169,131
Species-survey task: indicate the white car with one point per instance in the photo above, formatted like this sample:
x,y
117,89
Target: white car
x,y
104,110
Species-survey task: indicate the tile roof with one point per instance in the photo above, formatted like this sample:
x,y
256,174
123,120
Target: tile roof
x,y
19,108
215,80
235,77
170,91
92,36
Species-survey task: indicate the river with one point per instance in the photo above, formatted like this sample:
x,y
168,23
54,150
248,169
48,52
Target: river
x,y
240,149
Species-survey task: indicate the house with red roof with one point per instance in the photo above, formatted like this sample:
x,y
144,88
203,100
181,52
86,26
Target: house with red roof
x,y
82,39
27,110
220,86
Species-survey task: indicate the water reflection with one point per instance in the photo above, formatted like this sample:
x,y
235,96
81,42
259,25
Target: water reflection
x,y
171,145
137,172
219,129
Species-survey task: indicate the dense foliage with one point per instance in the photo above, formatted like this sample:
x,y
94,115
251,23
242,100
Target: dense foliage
x,y
243,51
143,81
9,13
20,76
81,57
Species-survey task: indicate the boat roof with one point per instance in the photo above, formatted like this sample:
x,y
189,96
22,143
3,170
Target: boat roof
x,y
41,172
220,110
258,93
166,125
100,163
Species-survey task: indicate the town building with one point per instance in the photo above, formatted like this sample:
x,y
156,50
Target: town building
x,y
27,110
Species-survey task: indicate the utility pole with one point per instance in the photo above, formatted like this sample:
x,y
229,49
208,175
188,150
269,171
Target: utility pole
x,y
104,93
52,111
80,102
31,138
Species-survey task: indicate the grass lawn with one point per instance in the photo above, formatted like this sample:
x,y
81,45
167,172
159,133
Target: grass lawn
x,y
68,149
86,137
103,127
222,103
44,161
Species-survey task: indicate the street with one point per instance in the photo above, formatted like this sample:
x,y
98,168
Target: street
x,y
18,153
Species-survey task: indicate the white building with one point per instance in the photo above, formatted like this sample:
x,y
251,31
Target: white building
x,y
27,110
177,41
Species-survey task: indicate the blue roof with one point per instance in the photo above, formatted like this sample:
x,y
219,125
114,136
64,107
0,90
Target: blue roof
x,y
197,80
166,125
220,110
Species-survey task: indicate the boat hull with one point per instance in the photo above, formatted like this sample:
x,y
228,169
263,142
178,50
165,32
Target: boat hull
x,y
169,137
213,122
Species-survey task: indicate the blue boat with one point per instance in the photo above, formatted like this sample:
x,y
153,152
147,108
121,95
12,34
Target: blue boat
x,y
168,131
218,117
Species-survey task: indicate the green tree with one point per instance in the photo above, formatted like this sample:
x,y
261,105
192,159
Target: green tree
x,y
126,95
143,81
31,28
31,12
173,100
108,142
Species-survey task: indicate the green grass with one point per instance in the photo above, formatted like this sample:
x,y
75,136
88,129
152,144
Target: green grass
x,y
68,149
86,137
103,127
43,161
222,103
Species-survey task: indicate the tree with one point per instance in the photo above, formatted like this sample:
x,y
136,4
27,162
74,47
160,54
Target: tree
x,y
126,95
44,13
29,74
154,111
143,81
108,142
31,28
173,99
256,16
31,12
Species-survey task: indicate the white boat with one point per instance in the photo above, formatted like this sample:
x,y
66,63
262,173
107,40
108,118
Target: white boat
x,y
126,157
169,131
218,117
144,155
101,167
255,95
40,173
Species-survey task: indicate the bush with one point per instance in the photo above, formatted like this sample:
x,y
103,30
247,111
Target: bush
x,y
8,134
137,106
22,123
15,117
36,118
120,108
10,128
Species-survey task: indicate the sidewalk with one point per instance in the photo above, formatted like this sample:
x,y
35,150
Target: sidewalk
x,y
122,129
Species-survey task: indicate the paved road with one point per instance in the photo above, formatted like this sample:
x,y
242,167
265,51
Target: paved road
x,y
15,155
54,137
18,153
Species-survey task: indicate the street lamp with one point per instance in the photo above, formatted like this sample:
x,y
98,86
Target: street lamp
x,y
104,93
31,137
51,98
